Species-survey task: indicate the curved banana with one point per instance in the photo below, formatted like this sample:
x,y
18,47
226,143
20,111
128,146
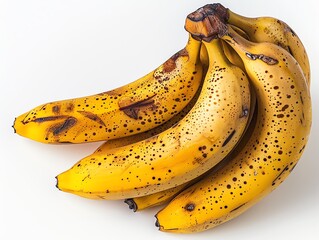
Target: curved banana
x,y
269,29
209,131
273,150
127,110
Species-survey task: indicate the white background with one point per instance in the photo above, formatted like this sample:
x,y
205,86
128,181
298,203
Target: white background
x,y
51,50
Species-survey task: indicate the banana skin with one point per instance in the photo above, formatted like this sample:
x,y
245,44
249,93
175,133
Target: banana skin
x,y
136,107
273,150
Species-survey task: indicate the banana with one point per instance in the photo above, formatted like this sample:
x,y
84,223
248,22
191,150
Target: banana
x,y
269,29
136,107
173,157
271,153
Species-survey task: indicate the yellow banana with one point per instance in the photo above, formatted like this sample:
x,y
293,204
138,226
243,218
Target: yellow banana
x,y
209,131
269,29
274,148
127,110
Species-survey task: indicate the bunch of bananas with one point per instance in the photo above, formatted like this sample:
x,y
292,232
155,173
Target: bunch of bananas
x,y
210,132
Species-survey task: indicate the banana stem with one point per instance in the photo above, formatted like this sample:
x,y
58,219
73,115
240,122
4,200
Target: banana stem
x,y
208,22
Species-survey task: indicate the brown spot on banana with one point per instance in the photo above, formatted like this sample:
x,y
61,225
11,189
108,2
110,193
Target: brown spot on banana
x,y
284,107
70,107
62,127
198,160
266,59
92,117
56,109
190,207
131,109
48,119
170,64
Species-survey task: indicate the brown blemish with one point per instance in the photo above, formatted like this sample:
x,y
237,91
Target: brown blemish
x,y
170,64
284,107
190,207
47,119
56,109
131,109
66,125
198,160
70,107
93,117
266,59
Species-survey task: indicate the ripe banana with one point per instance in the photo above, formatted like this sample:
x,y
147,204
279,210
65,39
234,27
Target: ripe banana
x,y
273,150
127,110
209,131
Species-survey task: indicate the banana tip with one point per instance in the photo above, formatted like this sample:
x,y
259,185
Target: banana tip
x,y
157,224
131,204
57,183
14,122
